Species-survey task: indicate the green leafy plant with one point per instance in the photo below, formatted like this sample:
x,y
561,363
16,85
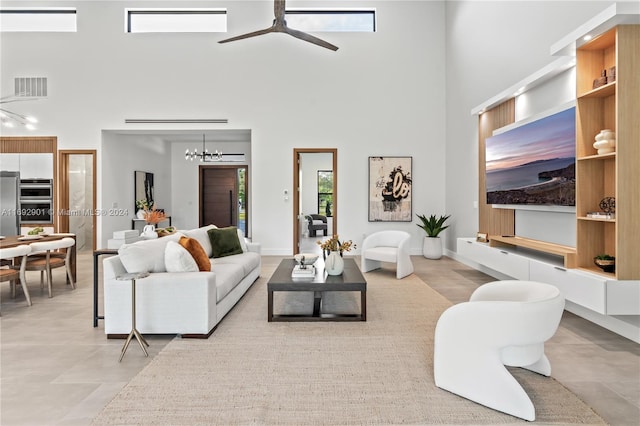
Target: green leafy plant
x,y
605,257
433,225
143,204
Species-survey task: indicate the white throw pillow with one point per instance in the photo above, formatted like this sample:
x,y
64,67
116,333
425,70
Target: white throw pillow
x,y
146,255
178,258
201,235
243,243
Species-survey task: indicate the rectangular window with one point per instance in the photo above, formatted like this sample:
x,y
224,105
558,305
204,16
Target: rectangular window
x,y
38,19
325,192
196,20
339,20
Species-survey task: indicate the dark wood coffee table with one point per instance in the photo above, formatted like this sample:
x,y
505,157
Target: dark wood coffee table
x,y
350,280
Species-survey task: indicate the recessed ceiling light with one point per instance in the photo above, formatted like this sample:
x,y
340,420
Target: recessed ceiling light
x,y
587,37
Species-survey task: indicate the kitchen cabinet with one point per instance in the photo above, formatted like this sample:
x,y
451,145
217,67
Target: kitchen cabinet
x,y
36,166
10,162
30,166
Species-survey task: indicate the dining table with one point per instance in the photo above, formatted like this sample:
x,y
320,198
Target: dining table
x,y
17,240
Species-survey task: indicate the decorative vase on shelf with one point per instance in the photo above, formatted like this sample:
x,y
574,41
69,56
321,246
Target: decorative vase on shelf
x,y
140,214
149,232
334,265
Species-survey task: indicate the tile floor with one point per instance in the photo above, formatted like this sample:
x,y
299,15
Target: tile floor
x,y
57,369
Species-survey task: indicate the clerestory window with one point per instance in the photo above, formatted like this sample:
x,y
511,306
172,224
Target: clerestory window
x,y
339,20
196,20
38,19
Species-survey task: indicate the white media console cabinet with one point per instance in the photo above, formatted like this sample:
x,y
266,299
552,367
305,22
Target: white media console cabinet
x,y
610,303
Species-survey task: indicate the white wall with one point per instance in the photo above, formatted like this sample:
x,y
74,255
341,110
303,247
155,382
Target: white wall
x,y
490,47
405,90
380,94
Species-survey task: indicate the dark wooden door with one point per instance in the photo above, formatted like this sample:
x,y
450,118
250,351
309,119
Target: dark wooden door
x,y
218,196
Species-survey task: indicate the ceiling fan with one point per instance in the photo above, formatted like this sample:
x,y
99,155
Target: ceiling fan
x,y
280,26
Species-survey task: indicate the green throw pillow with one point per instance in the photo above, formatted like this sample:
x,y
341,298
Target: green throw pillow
x,y
224,241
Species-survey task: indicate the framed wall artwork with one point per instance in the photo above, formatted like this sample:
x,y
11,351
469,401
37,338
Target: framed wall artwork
x,y
143,187
390,189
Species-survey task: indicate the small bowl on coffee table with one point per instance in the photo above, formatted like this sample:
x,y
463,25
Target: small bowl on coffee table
x,y
306,259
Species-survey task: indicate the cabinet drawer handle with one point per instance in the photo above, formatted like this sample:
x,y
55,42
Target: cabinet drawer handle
x,y
560,269
469,242
504,252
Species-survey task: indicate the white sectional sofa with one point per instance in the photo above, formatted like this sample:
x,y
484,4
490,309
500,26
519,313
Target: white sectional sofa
x,y
189,304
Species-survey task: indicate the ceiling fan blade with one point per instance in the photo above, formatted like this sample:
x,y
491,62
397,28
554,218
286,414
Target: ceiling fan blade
x,y
311,39
248,35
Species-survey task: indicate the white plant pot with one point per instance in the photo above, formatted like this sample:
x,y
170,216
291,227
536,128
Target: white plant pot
x,y
432,247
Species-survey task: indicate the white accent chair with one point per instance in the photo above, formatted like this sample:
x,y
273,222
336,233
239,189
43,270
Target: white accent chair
x,y
387,246
15,272
504,323
45,256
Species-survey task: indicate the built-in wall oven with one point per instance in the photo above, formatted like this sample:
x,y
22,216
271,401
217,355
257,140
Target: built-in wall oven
x,y
36,201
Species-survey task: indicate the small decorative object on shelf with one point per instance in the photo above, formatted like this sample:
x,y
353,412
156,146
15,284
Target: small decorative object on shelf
x,y
605,142
601,215
612,75
608,205
600,81
605,262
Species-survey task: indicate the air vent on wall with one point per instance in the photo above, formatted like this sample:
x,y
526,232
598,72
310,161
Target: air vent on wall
x,y
30,87
175,120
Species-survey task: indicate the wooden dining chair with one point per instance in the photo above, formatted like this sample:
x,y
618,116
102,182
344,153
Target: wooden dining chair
x,y
14,273
46,256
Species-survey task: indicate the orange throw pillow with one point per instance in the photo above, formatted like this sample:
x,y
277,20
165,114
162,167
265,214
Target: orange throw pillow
x,y
197,252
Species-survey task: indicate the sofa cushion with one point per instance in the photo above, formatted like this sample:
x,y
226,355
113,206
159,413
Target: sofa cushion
x,y
228,276
146,255
224,241
249,261
197,252
178,259
201,235
243,243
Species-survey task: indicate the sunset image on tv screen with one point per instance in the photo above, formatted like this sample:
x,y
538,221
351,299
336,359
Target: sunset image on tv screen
x,y
534,163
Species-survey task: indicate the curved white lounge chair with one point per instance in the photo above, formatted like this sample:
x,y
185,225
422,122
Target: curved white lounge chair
x,y
504,323
386,246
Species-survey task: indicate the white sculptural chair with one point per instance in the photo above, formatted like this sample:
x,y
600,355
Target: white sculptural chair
x,y
387,246
505,323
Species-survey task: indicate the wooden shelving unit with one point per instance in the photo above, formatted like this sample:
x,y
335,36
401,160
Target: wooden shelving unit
x,y
566,252
613,106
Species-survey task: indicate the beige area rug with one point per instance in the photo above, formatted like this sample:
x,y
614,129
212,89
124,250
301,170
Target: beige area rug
x,y
376,372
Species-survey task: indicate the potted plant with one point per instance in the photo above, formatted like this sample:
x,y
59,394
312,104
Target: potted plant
x,y
606,262
433,226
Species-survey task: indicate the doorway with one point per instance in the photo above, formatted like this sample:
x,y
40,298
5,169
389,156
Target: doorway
x,y
315,181
223,196
78,196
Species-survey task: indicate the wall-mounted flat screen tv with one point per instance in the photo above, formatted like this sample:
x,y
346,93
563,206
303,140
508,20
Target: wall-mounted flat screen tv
x,y
535,163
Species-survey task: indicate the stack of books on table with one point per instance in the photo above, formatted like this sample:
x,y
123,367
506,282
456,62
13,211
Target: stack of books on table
x,y
308,272
123,237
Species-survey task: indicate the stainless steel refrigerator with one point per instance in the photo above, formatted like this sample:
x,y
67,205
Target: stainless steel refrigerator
x,y
9,203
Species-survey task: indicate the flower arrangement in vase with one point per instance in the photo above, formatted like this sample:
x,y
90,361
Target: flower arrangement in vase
x,y
152,217
334,265
334,244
